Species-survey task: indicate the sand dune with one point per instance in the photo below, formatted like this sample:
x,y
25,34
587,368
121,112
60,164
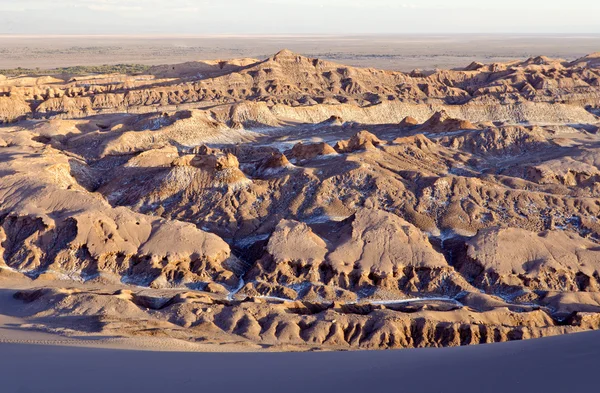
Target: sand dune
x,y
557,364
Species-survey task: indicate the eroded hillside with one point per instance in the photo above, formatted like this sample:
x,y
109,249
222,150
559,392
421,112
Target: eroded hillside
x,y
299,202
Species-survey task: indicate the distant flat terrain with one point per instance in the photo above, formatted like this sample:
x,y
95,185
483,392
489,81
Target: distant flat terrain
x,y
556,364
397,52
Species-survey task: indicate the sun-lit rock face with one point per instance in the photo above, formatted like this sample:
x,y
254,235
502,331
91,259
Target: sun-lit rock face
x,y
306,151
362,140
551,260
371,249
291,79
52,225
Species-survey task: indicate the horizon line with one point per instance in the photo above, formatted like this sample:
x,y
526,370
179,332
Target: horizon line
x,y
291,35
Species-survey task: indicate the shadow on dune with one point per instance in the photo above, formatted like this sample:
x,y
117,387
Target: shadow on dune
x,y
557,364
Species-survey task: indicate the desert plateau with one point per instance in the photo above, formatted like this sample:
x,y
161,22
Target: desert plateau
x,y
297,204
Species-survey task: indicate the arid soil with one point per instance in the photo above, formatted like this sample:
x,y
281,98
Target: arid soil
x,y
294,203
402,52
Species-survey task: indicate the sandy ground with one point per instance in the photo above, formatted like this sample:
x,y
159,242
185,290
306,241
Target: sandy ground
x,y
15,329
397,52
557,364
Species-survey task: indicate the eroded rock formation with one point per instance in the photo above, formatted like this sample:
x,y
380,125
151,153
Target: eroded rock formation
x,y
294,201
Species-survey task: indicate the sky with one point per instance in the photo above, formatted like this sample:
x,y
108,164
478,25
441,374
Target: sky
x,y
297,16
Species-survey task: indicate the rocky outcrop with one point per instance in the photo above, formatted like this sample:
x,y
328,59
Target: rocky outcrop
x,y
578,170
291,79
12,109
302,151
274,164
510,259
188,128
441,122
301,325
408,122
53,227
505,140
369,251
363,140
195,70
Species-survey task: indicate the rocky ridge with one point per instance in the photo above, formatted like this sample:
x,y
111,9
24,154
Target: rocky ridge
x,y
307,203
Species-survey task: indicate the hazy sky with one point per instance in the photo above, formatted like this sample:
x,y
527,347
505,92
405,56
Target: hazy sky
x,y
297,16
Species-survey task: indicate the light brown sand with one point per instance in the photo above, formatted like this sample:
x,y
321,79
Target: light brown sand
x,y
14,329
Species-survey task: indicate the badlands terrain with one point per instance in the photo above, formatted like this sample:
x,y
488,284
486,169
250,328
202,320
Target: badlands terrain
x,y
295,203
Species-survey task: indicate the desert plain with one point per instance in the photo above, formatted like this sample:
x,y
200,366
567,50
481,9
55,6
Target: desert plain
x,y
399,52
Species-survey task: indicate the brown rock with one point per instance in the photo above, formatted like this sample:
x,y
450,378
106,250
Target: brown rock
x,y
362,140
302,151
